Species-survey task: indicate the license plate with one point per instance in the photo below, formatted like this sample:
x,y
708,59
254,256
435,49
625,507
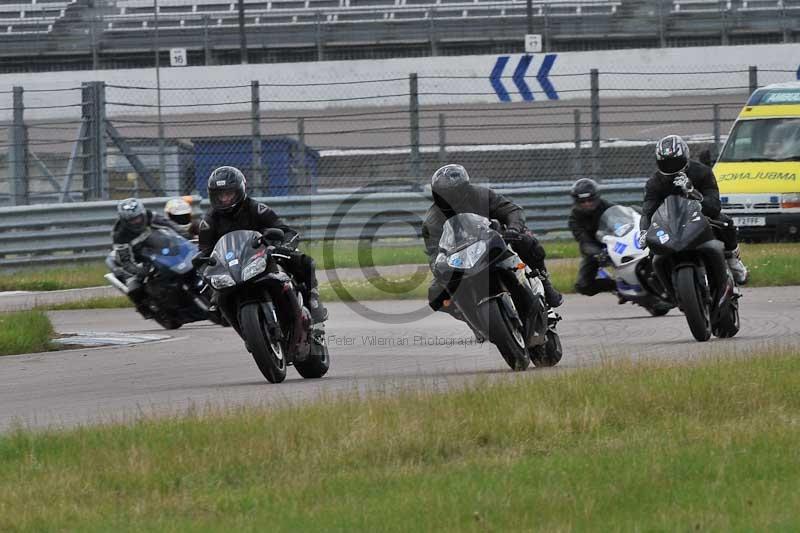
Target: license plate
x,y
750,221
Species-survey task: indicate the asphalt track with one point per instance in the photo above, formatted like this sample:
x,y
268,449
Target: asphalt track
x,y
206,366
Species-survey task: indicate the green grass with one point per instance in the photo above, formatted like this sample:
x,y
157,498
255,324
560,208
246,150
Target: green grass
x,y
109,302
621,447
771,264
24,332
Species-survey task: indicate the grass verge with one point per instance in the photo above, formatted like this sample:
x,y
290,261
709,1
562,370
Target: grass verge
x,y
769,264
647,446
24,332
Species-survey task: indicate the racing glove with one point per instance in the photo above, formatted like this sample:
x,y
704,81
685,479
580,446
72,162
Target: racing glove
x,y
682,182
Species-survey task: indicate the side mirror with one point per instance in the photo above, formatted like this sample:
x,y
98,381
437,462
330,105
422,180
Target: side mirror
x,y
273,235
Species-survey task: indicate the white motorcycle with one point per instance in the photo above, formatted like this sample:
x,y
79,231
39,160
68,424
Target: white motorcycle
x,y
628,264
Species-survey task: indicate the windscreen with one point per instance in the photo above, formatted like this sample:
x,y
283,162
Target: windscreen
x,y
167,248
462,230
232,251
772,139
617,220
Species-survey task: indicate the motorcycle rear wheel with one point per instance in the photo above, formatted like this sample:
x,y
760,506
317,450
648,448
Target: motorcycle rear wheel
x,y
728,325
317,363
692,303
549,353
267,352
501,333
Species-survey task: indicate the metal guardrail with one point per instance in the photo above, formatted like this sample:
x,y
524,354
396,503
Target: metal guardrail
x,y
58,233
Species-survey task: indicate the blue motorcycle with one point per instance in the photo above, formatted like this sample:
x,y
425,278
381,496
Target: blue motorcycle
x,y
175,293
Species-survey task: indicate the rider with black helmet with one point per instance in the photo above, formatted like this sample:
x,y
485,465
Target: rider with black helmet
x,y
678,173
584,220
453,194
232,209
130,231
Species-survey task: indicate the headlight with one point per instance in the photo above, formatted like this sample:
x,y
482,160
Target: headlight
x,y
468,257
222,281
790,200
256,267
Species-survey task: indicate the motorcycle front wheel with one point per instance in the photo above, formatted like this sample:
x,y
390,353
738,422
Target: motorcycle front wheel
x,y
502,333
694,306
267,352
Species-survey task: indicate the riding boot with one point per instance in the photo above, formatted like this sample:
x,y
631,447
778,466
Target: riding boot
x,y
551,295
318,311
738,269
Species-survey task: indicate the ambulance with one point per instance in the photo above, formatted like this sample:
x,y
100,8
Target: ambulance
x,y
758,170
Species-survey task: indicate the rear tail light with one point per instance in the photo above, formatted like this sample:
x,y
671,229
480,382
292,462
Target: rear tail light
x,y
790,200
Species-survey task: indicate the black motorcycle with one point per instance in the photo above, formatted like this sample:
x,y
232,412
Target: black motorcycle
x,y
264,304
174,293
497,294
691,265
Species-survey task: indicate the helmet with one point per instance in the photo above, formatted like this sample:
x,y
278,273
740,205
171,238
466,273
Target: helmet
x,y
132,214
179,211
226,189
585,194
672,154
449,177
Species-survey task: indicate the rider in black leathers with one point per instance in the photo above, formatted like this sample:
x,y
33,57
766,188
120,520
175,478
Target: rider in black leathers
x,y
584,220
453,194
231,210
672,158
130,231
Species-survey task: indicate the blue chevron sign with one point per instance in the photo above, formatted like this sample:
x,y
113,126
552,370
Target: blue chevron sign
x,y
518,78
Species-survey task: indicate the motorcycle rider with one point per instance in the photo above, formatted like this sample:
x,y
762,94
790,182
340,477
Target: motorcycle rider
x,y
232,209
584,220
179,211
454,194
676,172
134,224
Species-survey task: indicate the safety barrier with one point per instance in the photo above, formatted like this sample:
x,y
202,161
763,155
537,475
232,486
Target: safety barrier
x,y
58,233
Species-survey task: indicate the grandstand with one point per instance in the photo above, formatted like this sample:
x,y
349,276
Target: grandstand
x,y
84,34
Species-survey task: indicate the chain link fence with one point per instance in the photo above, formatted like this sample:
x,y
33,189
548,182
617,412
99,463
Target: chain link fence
x,y
103,141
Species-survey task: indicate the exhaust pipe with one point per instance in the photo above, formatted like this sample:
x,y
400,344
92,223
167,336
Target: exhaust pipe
x,y
116,283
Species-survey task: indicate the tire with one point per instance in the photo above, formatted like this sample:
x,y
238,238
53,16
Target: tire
x,y
658,310
317,363
728,325
167,323
267,353
502,335
549,353
693,305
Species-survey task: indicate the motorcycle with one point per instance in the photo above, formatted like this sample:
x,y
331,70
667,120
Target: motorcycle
x,y
497,294
175,294
264,305
691,265
631,267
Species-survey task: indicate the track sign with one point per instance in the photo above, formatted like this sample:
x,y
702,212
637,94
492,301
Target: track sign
x,y
177,57
533,43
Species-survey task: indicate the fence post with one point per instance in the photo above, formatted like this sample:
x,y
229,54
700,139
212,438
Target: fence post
x,y
787,32
413,111
594,83
256,165
94,162
529,16
18,155
442,141
320,43
577,163
546,30
305,178
716,131
242,34
753,75
662,37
